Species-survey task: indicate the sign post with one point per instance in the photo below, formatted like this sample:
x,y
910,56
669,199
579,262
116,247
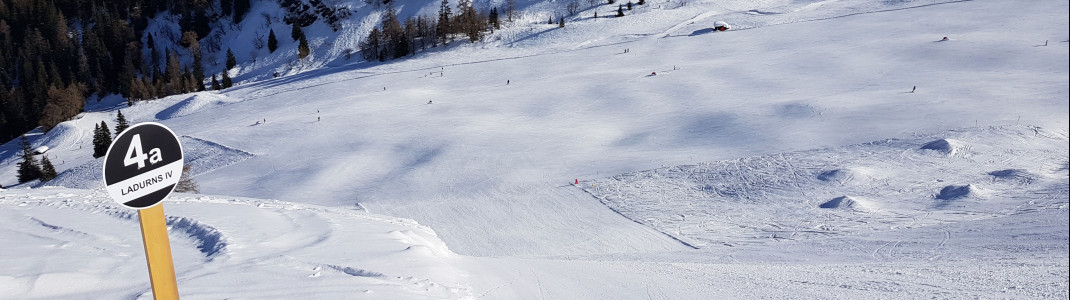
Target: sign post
x,y
142,167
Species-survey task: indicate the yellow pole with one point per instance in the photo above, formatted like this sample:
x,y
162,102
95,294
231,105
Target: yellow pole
x,y
158,253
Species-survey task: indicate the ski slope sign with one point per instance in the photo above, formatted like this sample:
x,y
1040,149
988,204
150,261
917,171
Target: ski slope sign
x,y
143,165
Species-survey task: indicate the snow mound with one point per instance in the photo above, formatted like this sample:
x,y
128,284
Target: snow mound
x,y
1018,175
842,175
209,240
351,271
758,199
85,176
953,192
204,156
948,147
64,134
846,203
193,104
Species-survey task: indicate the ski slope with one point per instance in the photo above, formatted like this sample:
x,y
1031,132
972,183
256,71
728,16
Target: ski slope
x,y
785,158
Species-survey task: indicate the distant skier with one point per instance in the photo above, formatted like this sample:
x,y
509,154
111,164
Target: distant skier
x,y
653,73
914,89
944,39
507,82
428,101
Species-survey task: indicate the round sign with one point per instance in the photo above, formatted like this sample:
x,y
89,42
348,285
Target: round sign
x,y
143,165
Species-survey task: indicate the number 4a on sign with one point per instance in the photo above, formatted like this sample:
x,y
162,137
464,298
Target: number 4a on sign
x,y
136,155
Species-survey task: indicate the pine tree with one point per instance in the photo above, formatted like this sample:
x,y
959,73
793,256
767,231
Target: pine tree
x,y
396,44
471,22
561,22
48,172
226,7
28,168
101,140
240,8
495,20
226,80
302,47
641,2
445,27
97,140
629,5
273,43
231,61
120,123
550,21
185,182
295,32
215,84
510,10
620,10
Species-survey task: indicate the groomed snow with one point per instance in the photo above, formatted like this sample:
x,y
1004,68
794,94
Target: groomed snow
x,y
450,174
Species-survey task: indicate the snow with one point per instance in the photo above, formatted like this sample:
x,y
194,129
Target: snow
x,y
786,158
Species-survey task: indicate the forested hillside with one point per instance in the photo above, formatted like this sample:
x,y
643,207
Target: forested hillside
x,y
53,54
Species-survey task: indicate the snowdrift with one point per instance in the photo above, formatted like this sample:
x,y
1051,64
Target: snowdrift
x,y
193,104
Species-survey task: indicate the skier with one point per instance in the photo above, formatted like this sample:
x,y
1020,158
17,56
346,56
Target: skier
x,y
914,89
507,82
428,101
944,39
653,73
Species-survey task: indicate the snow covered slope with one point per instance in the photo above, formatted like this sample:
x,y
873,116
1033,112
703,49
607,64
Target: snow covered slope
x,y
482,142
887,185
63,243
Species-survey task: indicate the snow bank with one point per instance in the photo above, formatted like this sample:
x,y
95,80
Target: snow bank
x,y
953,192
222,247
64,135
1015,175
195,103
847,203
948,147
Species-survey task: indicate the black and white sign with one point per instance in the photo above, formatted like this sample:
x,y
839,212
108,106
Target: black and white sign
x,y
143,165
